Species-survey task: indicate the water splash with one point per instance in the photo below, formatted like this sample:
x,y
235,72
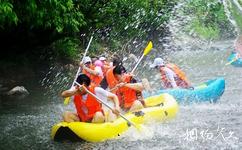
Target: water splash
x,y
227,5
55,79
147,132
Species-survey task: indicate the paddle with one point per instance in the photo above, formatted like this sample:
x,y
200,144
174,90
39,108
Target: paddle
x,y
121,115
146,51
233,60
67,99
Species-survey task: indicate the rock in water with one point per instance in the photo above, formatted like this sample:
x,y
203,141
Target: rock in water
x,y
18,92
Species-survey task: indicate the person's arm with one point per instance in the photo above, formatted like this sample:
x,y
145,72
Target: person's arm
x,y
115,100
170,76
109,96
69,93
135,86
93,72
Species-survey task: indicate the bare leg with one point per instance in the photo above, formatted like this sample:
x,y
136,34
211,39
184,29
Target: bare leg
x,y
70,117
110,116
98,117
146,85
136,106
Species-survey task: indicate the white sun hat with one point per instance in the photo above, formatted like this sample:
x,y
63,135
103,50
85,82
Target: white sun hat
x,y
157,62
102,58
87,59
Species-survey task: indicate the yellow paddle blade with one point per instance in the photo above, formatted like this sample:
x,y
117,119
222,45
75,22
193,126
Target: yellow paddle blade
x,y
67,100
148,48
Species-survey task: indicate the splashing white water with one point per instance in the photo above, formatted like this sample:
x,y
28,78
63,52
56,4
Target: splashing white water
x,y
227,5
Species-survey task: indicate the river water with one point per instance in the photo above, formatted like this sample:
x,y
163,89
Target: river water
x,y
26,124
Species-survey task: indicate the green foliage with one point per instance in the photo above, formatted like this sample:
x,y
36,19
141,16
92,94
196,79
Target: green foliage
x,y
210,20
45,14
207,32
240,2
7,15
66,48
113,21
237,15
124,19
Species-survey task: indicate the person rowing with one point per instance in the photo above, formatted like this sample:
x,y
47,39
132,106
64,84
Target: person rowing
x,y
171,75
125,87
88,109
93,71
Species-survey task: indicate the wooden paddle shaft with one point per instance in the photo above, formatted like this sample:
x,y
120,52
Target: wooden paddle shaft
x,y
79,68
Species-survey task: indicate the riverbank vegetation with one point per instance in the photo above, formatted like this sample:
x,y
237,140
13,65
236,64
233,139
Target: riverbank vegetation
x,y
209,20
66,25
59,29
236,14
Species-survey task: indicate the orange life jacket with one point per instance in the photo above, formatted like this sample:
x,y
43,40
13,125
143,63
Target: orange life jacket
x,y
86,109
96,79
181,79
112,82
126,95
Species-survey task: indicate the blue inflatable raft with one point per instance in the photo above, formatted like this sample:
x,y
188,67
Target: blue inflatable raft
x,y
209,91
237,62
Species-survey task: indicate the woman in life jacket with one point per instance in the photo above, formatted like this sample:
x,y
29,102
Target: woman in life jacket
x,y
171,75
93,72
125,87
115,62
87,107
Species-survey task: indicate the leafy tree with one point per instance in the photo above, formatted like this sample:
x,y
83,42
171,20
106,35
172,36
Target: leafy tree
x,y
113,21
209,19
45,14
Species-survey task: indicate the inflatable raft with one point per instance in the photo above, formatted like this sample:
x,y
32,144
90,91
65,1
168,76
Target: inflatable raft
x,y
235,62
209,91
160,107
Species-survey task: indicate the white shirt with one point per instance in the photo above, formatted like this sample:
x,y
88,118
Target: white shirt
x,y
170,76
100,93
103,95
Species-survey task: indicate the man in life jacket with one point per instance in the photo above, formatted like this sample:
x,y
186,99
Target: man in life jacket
x,y
93,72
125,87
88,108
171,75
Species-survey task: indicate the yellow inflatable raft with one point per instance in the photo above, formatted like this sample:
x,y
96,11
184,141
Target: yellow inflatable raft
x,y
160,108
